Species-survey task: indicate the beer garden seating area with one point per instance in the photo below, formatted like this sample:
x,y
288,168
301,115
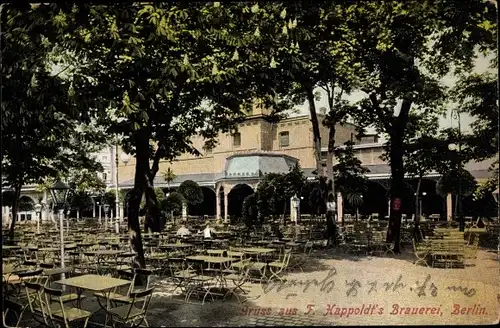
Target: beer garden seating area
x,y
98,264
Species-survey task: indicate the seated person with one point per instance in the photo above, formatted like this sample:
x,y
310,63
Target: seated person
x,y
207,233
183,231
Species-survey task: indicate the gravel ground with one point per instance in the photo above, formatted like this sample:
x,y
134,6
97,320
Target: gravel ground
x,y
337,289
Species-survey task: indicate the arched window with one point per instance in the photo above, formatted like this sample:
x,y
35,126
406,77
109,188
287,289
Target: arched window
x,y
237,139
284,139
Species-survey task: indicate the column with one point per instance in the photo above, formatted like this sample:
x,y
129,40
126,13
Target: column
x,y
340,207
293,211
217,205
449,207
184,211
93,211
45,210
225,206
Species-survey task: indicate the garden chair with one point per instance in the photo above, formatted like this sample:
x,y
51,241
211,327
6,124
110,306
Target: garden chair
x,y
59,312
37,305
132,314
180,274
298,260
200,282
115,297
421,251
19,303
277,267
360,242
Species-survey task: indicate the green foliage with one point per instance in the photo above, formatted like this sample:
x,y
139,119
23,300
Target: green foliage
x,y
349,174
476,95
484,190
456,182
275,190
80,200
38,113
250,210
169,175
317,195
173,203
160,196
109,198
354,199
192,192
86,181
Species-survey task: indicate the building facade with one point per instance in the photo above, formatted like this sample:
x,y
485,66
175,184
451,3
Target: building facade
x,y
231,171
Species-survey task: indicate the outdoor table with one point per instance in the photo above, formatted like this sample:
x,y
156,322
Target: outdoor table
x,y
176,246
210,259
294,244
229,253
56,271
94,283
223,263
45,250
258,251
11,247
10,269
101,254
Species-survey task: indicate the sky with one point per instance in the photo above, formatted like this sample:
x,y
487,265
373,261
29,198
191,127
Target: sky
x,y
482,65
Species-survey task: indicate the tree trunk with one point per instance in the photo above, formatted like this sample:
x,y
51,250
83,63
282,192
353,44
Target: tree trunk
x,y
416,234
15,209
140,183
455,211
315,127
330,183
397,186
152,208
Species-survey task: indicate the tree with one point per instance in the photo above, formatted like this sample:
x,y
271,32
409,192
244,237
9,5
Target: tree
x,y
349,174
400,71
83,183
250,210
39,117
191,191
275,190
173,203
160,74
456,182
169,176
81,201
355,199
268,195
109,198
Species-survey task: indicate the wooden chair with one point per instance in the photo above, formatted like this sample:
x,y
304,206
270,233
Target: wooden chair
x,y
421,251
201,282
131,313
59,312
115,297
277,267
36,303
21,301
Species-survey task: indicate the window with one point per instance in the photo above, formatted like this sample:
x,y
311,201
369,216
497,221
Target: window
x,y
237,139
284,139
105,176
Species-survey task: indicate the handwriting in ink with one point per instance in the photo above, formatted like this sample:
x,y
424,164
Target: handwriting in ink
x,y
326,284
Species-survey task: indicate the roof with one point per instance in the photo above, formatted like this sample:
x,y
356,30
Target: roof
x,y
257,164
